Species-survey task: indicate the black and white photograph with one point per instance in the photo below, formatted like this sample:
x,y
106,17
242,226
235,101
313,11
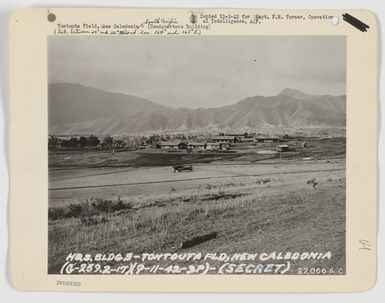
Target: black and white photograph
x,y
197,155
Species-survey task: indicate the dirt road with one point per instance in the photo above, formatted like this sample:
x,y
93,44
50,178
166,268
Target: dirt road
x,y
69,186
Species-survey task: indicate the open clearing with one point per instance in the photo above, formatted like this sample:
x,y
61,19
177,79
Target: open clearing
x,y
284,214
259,206
71,186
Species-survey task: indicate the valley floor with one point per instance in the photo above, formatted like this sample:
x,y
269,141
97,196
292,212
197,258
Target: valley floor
x,y
265,206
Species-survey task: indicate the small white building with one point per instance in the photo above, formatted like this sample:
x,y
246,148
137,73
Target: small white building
x,y
197,145
213,146
223,139
261,139
283,148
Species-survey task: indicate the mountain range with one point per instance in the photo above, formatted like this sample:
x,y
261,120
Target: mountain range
x,y
76,109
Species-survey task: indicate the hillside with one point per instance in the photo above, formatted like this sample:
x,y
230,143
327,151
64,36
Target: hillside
x,y
75,109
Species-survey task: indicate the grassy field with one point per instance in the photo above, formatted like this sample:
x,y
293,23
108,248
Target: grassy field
x,y
254,206
320,148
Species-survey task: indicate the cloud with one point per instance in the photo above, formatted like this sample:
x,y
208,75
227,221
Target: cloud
x,y
205,71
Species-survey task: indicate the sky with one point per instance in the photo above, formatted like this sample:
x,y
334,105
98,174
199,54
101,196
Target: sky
x,y
200,71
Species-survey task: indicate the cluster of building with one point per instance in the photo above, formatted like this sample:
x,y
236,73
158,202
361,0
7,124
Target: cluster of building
x,y
221,142
195,145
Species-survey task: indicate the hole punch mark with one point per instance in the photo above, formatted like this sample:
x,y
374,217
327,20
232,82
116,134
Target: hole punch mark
x,y
335,20
51,17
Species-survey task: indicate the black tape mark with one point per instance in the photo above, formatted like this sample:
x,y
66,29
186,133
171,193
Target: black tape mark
x,y
355,22
193,18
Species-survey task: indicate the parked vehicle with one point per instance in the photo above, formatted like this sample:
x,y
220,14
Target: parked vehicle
x,y
181,167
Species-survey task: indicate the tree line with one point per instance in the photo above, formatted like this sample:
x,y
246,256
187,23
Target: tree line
x,y
83,142
108,142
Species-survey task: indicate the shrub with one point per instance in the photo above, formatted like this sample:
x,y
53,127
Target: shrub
x,y
55,213
74,210
91,208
